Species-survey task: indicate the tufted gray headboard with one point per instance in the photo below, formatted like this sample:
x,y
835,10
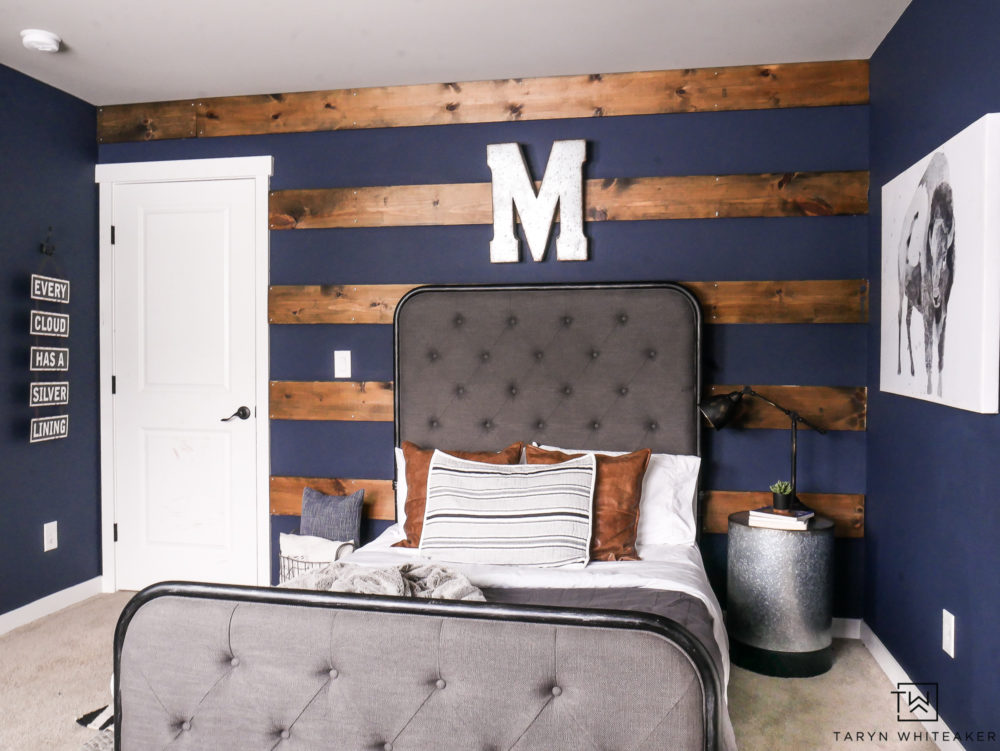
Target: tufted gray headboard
x,y
614,367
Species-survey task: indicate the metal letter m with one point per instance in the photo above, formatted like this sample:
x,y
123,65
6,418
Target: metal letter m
x,y
512,186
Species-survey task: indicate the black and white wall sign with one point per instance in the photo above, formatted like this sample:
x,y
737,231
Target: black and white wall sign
x,y
49,288
49,428
48,393
44,323
50,358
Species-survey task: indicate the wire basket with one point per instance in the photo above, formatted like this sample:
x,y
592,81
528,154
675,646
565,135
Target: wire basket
x,y
291,566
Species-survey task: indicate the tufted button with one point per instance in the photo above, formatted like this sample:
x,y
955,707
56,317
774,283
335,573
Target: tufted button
x,y
567,390
651,354
334,674
567,320
460,390
433,355
653,425
595,425
484,356
622,319
623,390
387,746
539,355
459,320
556,691
440,683
513,389
185,725
235,662
488,424
433,422
512,321
594,354
284,734
540,425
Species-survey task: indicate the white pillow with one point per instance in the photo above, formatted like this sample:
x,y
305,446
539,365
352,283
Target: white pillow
x,y
667,506
518,514
400,487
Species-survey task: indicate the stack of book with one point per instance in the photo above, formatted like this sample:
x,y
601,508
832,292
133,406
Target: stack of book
x,y
768,516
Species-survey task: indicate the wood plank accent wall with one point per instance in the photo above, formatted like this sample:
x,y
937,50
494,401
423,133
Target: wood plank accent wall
x,y
812,301
608,200
830,407
286,494
846,510
598,95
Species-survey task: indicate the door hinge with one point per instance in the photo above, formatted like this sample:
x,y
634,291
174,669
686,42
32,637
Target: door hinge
x,y
116,532
112,234
114,385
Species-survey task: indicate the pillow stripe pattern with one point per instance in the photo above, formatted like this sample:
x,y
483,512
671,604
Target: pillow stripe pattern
x,y
520,514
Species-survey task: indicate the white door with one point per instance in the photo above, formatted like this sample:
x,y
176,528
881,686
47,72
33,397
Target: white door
x,y
183,361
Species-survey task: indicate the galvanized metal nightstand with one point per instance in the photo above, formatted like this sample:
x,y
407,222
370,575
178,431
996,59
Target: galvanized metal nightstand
x,y
780,597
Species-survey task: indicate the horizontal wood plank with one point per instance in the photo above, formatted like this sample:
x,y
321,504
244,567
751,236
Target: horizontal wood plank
x,y
331,400
829,407
286,494
746,87
622,199
151,121
846,510
335,303
809,301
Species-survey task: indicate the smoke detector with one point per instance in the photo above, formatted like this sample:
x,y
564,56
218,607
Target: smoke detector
x,y
41,40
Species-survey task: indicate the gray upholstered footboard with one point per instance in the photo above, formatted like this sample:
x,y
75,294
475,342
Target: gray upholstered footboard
x,y
211,667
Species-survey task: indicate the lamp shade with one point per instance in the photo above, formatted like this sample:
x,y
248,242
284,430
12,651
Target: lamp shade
x,y
720,410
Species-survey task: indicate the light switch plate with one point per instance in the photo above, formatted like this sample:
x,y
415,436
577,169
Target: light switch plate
x,y
342,363
50,536
948,633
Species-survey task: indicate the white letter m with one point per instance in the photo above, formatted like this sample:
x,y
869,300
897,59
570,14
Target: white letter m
x,y
512,186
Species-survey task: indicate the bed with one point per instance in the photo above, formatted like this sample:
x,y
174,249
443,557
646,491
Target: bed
x,y
617,654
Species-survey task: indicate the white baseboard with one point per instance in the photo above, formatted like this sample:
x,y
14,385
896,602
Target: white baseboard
x,y
897,675
846,628
48,605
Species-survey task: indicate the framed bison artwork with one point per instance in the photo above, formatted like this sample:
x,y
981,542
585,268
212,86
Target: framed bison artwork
x,y
941,274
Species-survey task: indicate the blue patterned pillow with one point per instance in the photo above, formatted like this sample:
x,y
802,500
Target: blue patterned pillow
x,y
335,517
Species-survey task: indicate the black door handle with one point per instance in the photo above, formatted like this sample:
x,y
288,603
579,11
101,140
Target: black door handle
x,y
243,413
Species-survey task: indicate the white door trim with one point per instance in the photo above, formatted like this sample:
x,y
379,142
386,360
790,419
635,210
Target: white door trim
x,y
260,169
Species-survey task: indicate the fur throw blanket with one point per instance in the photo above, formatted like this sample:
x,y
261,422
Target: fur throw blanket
x,y
429,580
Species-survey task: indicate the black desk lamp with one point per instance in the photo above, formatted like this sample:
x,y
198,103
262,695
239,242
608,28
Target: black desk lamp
x,y
720,410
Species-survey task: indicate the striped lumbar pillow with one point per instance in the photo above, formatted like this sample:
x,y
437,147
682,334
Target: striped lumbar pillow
x,y
522,514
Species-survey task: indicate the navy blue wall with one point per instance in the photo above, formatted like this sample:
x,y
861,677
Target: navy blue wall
x,y
47,179
733,142
933,519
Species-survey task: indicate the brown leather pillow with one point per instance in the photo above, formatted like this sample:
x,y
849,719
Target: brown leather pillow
x,y
418,464
617,490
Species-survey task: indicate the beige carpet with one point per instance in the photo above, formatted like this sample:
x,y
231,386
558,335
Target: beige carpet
x,y
58,668
54,670
805,713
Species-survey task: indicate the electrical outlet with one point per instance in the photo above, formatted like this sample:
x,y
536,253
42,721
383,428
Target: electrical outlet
x,y
342,363
948,633
50,536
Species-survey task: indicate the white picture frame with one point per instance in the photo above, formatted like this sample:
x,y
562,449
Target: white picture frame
x,y
940,302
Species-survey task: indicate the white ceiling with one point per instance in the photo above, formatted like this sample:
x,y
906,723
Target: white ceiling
x,y
119,51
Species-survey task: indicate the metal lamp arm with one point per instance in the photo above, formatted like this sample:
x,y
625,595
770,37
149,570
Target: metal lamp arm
x,y
794,416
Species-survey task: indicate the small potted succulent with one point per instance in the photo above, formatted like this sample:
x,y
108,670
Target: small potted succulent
x,y
782,496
